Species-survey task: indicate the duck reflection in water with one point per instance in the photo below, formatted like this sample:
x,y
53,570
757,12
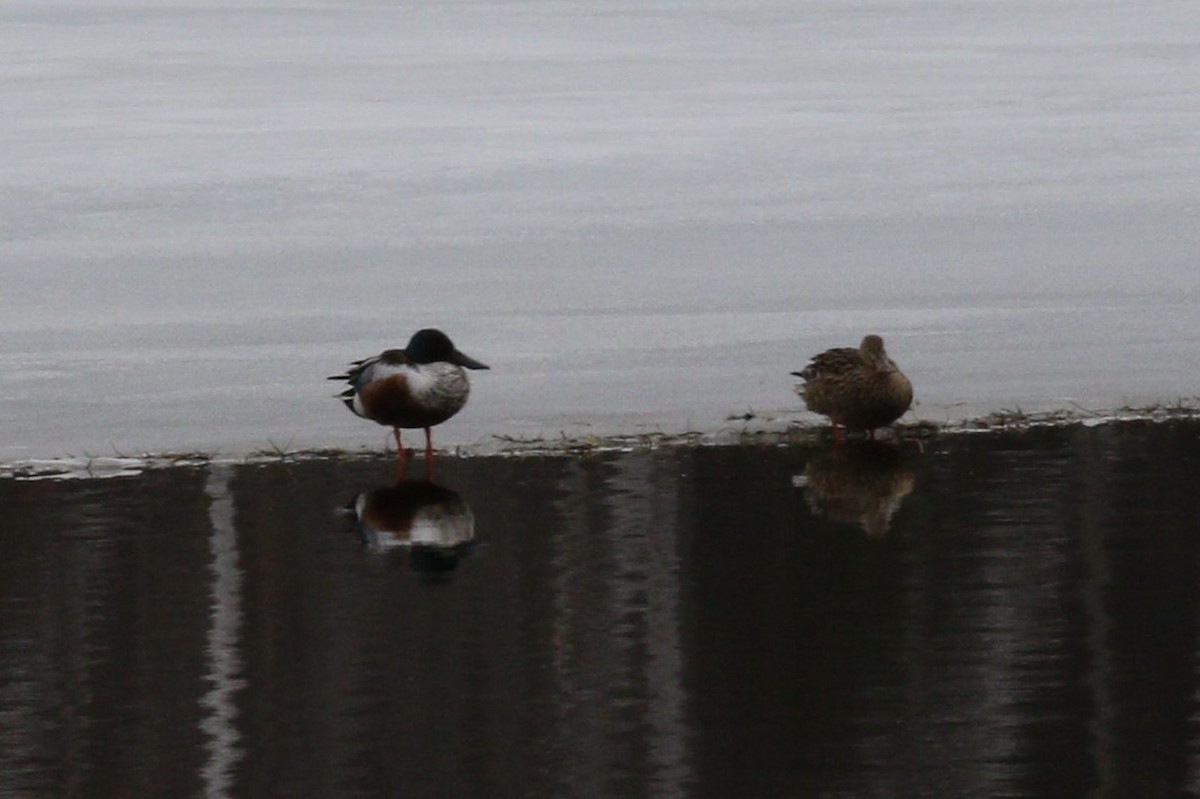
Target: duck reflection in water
x,y
859,482
432,523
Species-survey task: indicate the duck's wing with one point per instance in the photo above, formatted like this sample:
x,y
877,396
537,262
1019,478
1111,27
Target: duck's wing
x,y
837,361
360,373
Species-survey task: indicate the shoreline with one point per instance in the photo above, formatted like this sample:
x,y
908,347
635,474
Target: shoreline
x,y
746,429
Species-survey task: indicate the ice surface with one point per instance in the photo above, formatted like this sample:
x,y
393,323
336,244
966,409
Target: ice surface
x,y
639,214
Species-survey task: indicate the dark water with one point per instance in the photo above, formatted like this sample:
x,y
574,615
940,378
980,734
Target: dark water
x,y
708,622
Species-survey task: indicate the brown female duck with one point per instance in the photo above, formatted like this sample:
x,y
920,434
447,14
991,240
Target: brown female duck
x,y
860,389
858,482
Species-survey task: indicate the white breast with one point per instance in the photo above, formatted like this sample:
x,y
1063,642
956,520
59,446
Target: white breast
x,y
439,385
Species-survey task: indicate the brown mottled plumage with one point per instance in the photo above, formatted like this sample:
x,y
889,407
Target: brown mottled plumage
x,y
860,483
861,389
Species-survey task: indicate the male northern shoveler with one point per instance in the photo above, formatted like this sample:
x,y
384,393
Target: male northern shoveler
x,y
433,522
421,385
860,389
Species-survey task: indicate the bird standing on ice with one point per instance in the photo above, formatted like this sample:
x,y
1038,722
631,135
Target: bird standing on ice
x,y
422,385
859,389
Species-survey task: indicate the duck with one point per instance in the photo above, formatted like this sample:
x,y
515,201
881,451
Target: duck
x,y
419,386
433,523
859,482
858,389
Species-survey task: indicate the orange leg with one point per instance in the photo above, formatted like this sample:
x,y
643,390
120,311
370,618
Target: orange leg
x,y
428,455
400,456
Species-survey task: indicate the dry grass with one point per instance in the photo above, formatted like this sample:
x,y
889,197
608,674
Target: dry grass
x,y
772,430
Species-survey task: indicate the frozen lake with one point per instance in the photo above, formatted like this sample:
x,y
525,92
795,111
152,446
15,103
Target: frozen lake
x,y
641,215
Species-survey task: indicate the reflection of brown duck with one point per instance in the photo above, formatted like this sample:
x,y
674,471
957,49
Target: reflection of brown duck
x,y
861,389
858,482
433,523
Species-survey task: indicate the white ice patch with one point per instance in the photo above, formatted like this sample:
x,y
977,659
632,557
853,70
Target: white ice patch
x,y
632,236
